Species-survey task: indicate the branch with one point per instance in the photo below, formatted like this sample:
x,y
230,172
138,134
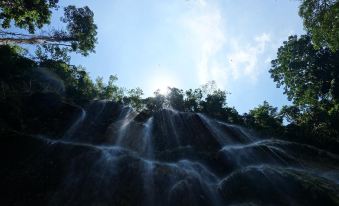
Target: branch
x,y
5,33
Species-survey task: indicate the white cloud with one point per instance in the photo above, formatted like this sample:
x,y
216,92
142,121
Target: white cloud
x,y
204,24
217,55
243,59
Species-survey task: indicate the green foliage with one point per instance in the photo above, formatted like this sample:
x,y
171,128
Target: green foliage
x,y
81,30
310,78
134,99
156,103
291,114
232,116
207,99
109,91
22,76
79,34
308,69
77,85
54,52
26,14
321,21
193,99
175,99
265,118
15,72
214,103
308,75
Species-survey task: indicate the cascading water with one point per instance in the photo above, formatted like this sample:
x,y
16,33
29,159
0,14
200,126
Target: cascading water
x,y
110,156
147,133
126,116
70,132
217,133
148,164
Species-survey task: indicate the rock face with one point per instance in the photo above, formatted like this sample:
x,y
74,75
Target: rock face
x,y
108,155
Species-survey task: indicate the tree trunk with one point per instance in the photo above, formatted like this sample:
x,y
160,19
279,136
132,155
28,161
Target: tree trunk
x,y
36,40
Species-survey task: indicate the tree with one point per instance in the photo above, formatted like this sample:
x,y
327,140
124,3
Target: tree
x,y
214,103
26,14
321,22
291,114
79,36
156,103
15,73
265,118
175,98
77,85
134,99
232,116
309,76
21,76
109,91
192,100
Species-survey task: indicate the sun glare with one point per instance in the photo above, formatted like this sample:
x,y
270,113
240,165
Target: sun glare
x,y
161,83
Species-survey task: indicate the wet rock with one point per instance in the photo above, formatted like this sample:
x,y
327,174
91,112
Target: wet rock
x,y
48,114
277,186
107,154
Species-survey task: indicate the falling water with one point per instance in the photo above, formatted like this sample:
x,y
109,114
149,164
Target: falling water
x,y
101,108
206,179
217,133
127,115
148,165
174,158
171,116
243,133
148,145
69,133
168,125
258,152
148,182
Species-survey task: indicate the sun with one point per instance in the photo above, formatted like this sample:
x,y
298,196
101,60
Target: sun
x,y
162,82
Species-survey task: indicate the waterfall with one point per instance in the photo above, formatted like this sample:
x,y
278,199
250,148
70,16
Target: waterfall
x,y
147,139
125,118
216,132
112,155
148,166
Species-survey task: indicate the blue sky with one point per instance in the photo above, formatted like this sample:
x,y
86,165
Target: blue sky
x,y
185,43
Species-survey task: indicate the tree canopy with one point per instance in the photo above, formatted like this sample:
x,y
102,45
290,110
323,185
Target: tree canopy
x,y
310,78
26,14
308,75
321,21
265,118
79,34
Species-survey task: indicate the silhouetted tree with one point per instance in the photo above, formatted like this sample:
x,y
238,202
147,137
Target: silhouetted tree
x,y
214,103
156,103
192,100
175,98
